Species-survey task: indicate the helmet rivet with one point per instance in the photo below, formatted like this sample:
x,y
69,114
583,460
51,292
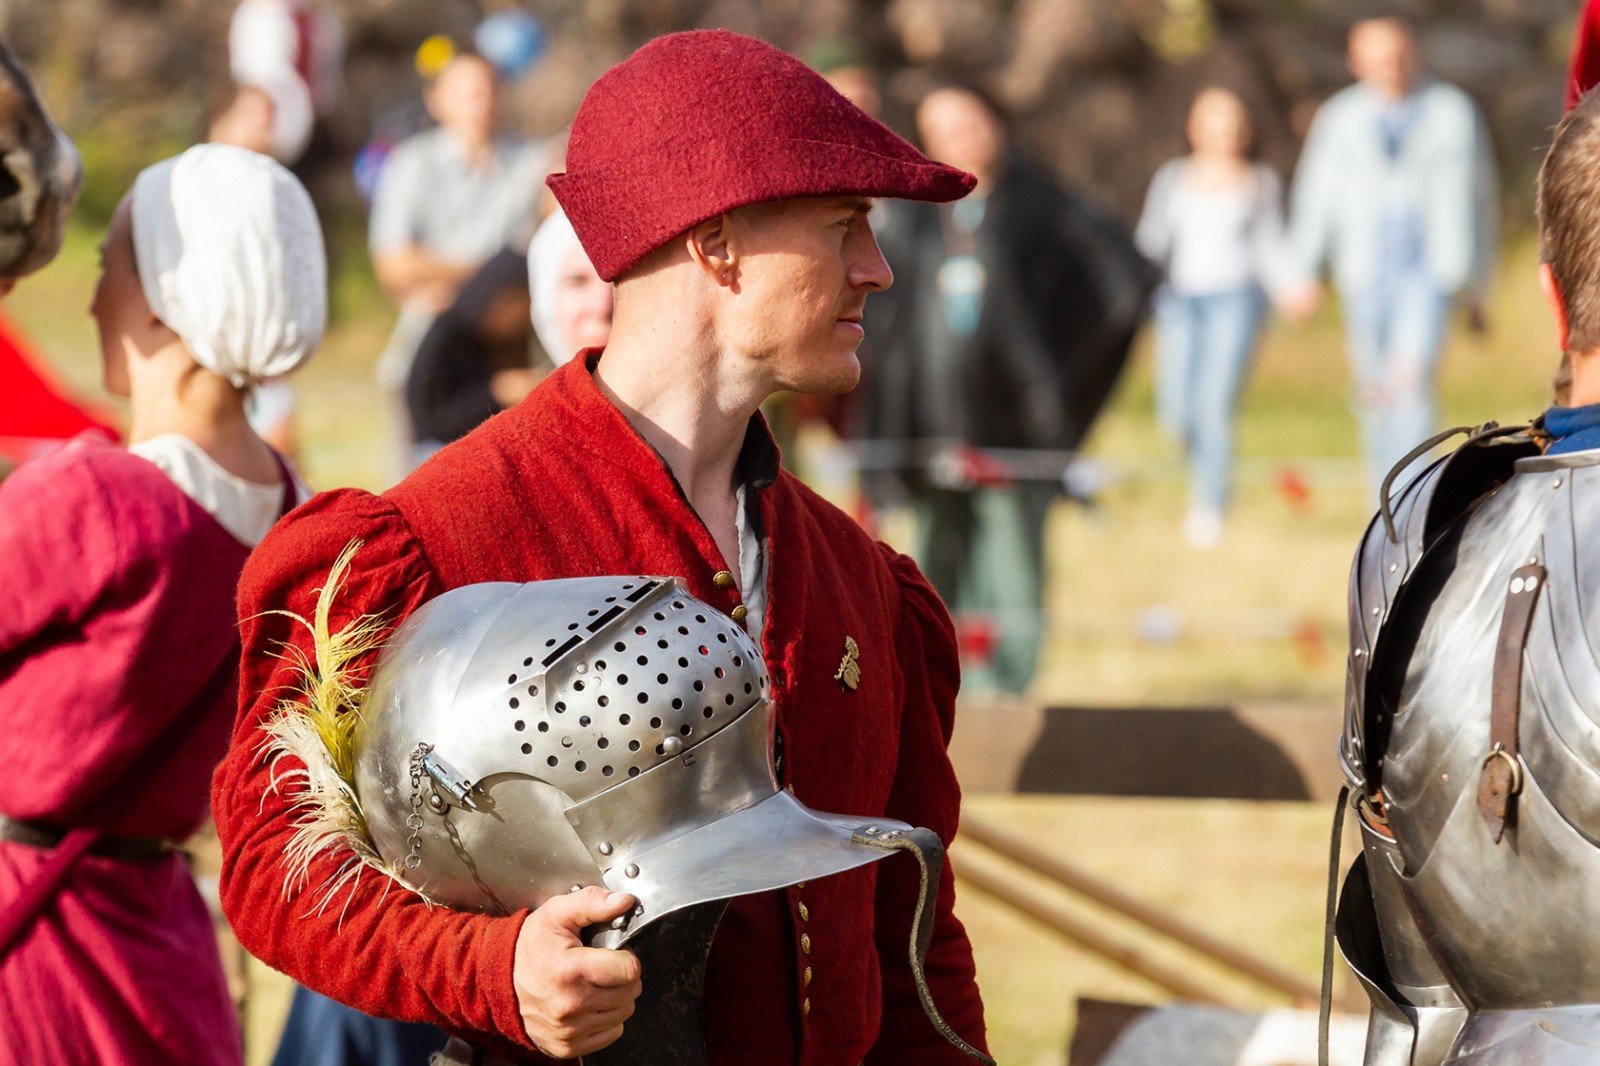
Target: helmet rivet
x,y
638,909
436,802
581,668
632,869
618,923
672,745
605,848
575,888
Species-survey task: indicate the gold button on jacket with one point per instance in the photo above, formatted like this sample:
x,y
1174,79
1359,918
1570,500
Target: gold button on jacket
x,y
723,579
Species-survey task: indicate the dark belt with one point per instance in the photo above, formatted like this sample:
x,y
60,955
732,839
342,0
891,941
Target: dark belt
x,y
47,837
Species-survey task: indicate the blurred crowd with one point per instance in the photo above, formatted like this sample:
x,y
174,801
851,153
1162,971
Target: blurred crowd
x,y
1013,311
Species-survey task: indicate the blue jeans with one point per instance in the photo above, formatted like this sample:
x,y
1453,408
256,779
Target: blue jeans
x,y
1203,349
1395,330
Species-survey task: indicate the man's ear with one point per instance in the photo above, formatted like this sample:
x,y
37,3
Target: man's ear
x,y
713,248
1550,285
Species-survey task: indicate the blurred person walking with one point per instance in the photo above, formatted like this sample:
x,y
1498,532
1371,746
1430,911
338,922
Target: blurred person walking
x,y
1396,188
1214,220
474,362
448,199
293,52
1017,307
119,651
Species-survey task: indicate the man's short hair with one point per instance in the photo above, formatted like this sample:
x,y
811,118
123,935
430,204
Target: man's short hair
x,y
1569,219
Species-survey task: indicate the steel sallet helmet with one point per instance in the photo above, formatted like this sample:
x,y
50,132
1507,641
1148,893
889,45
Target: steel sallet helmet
x,y
519,741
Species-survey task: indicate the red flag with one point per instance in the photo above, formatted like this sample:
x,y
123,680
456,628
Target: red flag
x,y
35,414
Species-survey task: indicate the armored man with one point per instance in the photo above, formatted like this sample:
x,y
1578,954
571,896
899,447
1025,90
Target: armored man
x,y
725,189
1472,737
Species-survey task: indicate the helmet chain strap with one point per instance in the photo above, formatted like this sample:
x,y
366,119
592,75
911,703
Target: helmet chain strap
x,y
414,819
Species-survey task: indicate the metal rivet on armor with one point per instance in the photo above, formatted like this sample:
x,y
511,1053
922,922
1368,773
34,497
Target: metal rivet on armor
x,y
738,613
566,742
605,848
1531,584
619,922
1376,611
638,909
1533,560
631,870
1393,567
872,830
575,888
671,746
805,943
722,579
436,801
1358,653
1516,585
581,668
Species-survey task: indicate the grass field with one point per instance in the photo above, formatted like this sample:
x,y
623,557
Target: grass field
x,y
1137,617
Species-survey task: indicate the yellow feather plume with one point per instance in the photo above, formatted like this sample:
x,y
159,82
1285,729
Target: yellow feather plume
x,y
315,726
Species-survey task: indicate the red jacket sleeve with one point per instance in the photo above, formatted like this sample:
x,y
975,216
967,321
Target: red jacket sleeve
x,y
1583,73
925,793
375,945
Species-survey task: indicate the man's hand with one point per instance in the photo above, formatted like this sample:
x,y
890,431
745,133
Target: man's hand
x,y
1302,302
574,999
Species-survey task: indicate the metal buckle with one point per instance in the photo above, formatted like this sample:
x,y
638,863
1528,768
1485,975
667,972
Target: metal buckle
x,y
1370,809
1499,751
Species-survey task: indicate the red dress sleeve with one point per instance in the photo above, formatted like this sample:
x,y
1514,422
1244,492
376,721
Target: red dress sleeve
x,y
59,546
1583,73
925,793
375,945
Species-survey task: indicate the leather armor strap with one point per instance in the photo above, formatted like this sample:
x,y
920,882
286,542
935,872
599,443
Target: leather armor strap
x,y
1501,777
929,850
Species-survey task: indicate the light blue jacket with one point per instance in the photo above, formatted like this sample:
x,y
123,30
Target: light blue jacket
x,y
1345,176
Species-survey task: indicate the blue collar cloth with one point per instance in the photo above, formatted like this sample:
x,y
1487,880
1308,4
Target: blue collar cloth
x,y
1575,429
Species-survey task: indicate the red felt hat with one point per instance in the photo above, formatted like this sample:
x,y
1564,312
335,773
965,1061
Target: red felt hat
x,y
695,124
1583,73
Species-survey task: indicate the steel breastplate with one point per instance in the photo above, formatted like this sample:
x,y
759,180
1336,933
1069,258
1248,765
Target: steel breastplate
x,y
1472,950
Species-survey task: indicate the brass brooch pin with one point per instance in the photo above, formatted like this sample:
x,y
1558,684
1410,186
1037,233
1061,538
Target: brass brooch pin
x,y
849,672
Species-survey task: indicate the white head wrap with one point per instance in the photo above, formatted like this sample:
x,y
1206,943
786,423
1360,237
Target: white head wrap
x,y
546,254
230,256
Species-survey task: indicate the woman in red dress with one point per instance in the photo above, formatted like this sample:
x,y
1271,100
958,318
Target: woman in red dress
x,y
118,644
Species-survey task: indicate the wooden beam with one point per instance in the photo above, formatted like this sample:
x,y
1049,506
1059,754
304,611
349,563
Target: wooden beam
x,y
1277,751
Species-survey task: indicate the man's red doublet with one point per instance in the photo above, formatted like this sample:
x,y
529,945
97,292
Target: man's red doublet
x,y
562,486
